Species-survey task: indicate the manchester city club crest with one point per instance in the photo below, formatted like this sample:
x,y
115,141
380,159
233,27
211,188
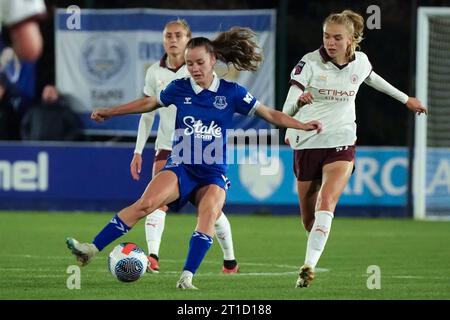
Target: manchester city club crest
x,y
220,102
104,58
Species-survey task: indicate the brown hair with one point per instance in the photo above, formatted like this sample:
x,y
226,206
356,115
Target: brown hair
x,y
354,23
235,46
183,23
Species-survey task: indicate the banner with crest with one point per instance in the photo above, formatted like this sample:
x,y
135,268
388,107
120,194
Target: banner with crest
x,y
102,60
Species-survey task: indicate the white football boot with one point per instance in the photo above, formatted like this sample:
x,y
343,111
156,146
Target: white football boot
x,y
185,281
305,276
84,252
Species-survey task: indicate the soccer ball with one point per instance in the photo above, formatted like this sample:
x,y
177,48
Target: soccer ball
x,y
127,262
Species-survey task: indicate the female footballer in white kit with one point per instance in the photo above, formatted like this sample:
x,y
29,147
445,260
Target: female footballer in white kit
x,y
172,66
324,85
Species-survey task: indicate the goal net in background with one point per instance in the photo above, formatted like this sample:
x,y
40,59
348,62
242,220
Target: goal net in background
x,y
431,171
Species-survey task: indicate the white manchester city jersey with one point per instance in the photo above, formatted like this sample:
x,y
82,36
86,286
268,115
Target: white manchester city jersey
x,y
334,90
157,78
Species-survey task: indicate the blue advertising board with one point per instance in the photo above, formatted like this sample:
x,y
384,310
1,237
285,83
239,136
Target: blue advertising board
x,y
69,177
96,177
377,187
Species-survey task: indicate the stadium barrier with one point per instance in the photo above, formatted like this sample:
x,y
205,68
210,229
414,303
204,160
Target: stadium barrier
x,y
96,177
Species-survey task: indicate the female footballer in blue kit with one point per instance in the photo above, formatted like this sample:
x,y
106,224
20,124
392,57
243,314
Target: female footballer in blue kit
x,y
205,106
172,66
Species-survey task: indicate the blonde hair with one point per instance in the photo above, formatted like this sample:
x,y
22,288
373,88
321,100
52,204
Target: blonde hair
x,y
182,23
236,46
354,23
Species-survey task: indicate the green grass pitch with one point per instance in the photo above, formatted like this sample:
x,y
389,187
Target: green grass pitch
x,y
413,257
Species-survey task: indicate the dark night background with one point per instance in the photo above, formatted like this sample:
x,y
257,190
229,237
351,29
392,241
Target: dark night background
x,y
391,50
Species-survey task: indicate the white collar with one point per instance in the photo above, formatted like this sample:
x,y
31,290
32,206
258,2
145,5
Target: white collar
x,y
213,87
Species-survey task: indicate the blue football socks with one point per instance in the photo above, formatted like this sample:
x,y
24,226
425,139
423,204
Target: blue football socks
x,y
198,247
113,230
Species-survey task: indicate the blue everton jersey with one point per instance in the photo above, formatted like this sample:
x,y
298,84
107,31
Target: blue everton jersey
x,y
203,118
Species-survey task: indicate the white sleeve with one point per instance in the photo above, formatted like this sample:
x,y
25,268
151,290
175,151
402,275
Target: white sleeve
x,y
150,83
15,11
377,82
301,74
144,129
146,120
290,106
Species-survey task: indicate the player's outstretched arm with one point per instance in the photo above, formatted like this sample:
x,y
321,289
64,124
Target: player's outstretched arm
x,y
282,120
146,104
377,82
416,106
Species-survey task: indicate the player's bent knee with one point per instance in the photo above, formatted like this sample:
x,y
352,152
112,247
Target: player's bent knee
x,y
146,206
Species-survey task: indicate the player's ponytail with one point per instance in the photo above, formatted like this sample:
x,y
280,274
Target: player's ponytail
x,y
354,23
236,46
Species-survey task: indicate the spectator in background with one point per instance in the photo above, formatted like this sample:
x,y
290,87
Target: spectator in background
x,y
53,119
20,30
9,123
12,102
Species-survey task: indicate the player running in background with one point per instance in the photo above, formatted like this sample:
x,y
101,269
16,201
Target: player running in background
x,y
323,86
176,35
196,170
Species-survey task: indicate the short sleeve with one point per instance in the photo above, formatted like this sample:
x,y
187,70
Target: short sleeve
x,y
16,11
367,66
168,95
150,83
301,74
246,103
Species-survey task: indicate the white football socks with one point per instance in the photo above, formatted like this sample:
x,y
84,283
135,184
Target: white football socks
x,y
318,237
154,227
223,235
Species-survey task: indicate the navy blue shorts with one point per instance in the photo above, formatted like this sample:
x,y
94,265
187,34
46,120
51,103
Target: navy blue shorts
x,y
190,181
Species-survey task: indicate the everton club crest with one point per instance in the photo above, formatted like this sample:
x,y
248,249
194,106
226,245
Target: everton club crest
x,y
220,102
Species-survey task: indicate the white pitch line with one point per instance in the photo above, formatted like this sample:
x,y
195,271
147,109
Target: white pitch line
x,y
29,256
418,277
163,260
169,261
240,274
410,277
165,273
